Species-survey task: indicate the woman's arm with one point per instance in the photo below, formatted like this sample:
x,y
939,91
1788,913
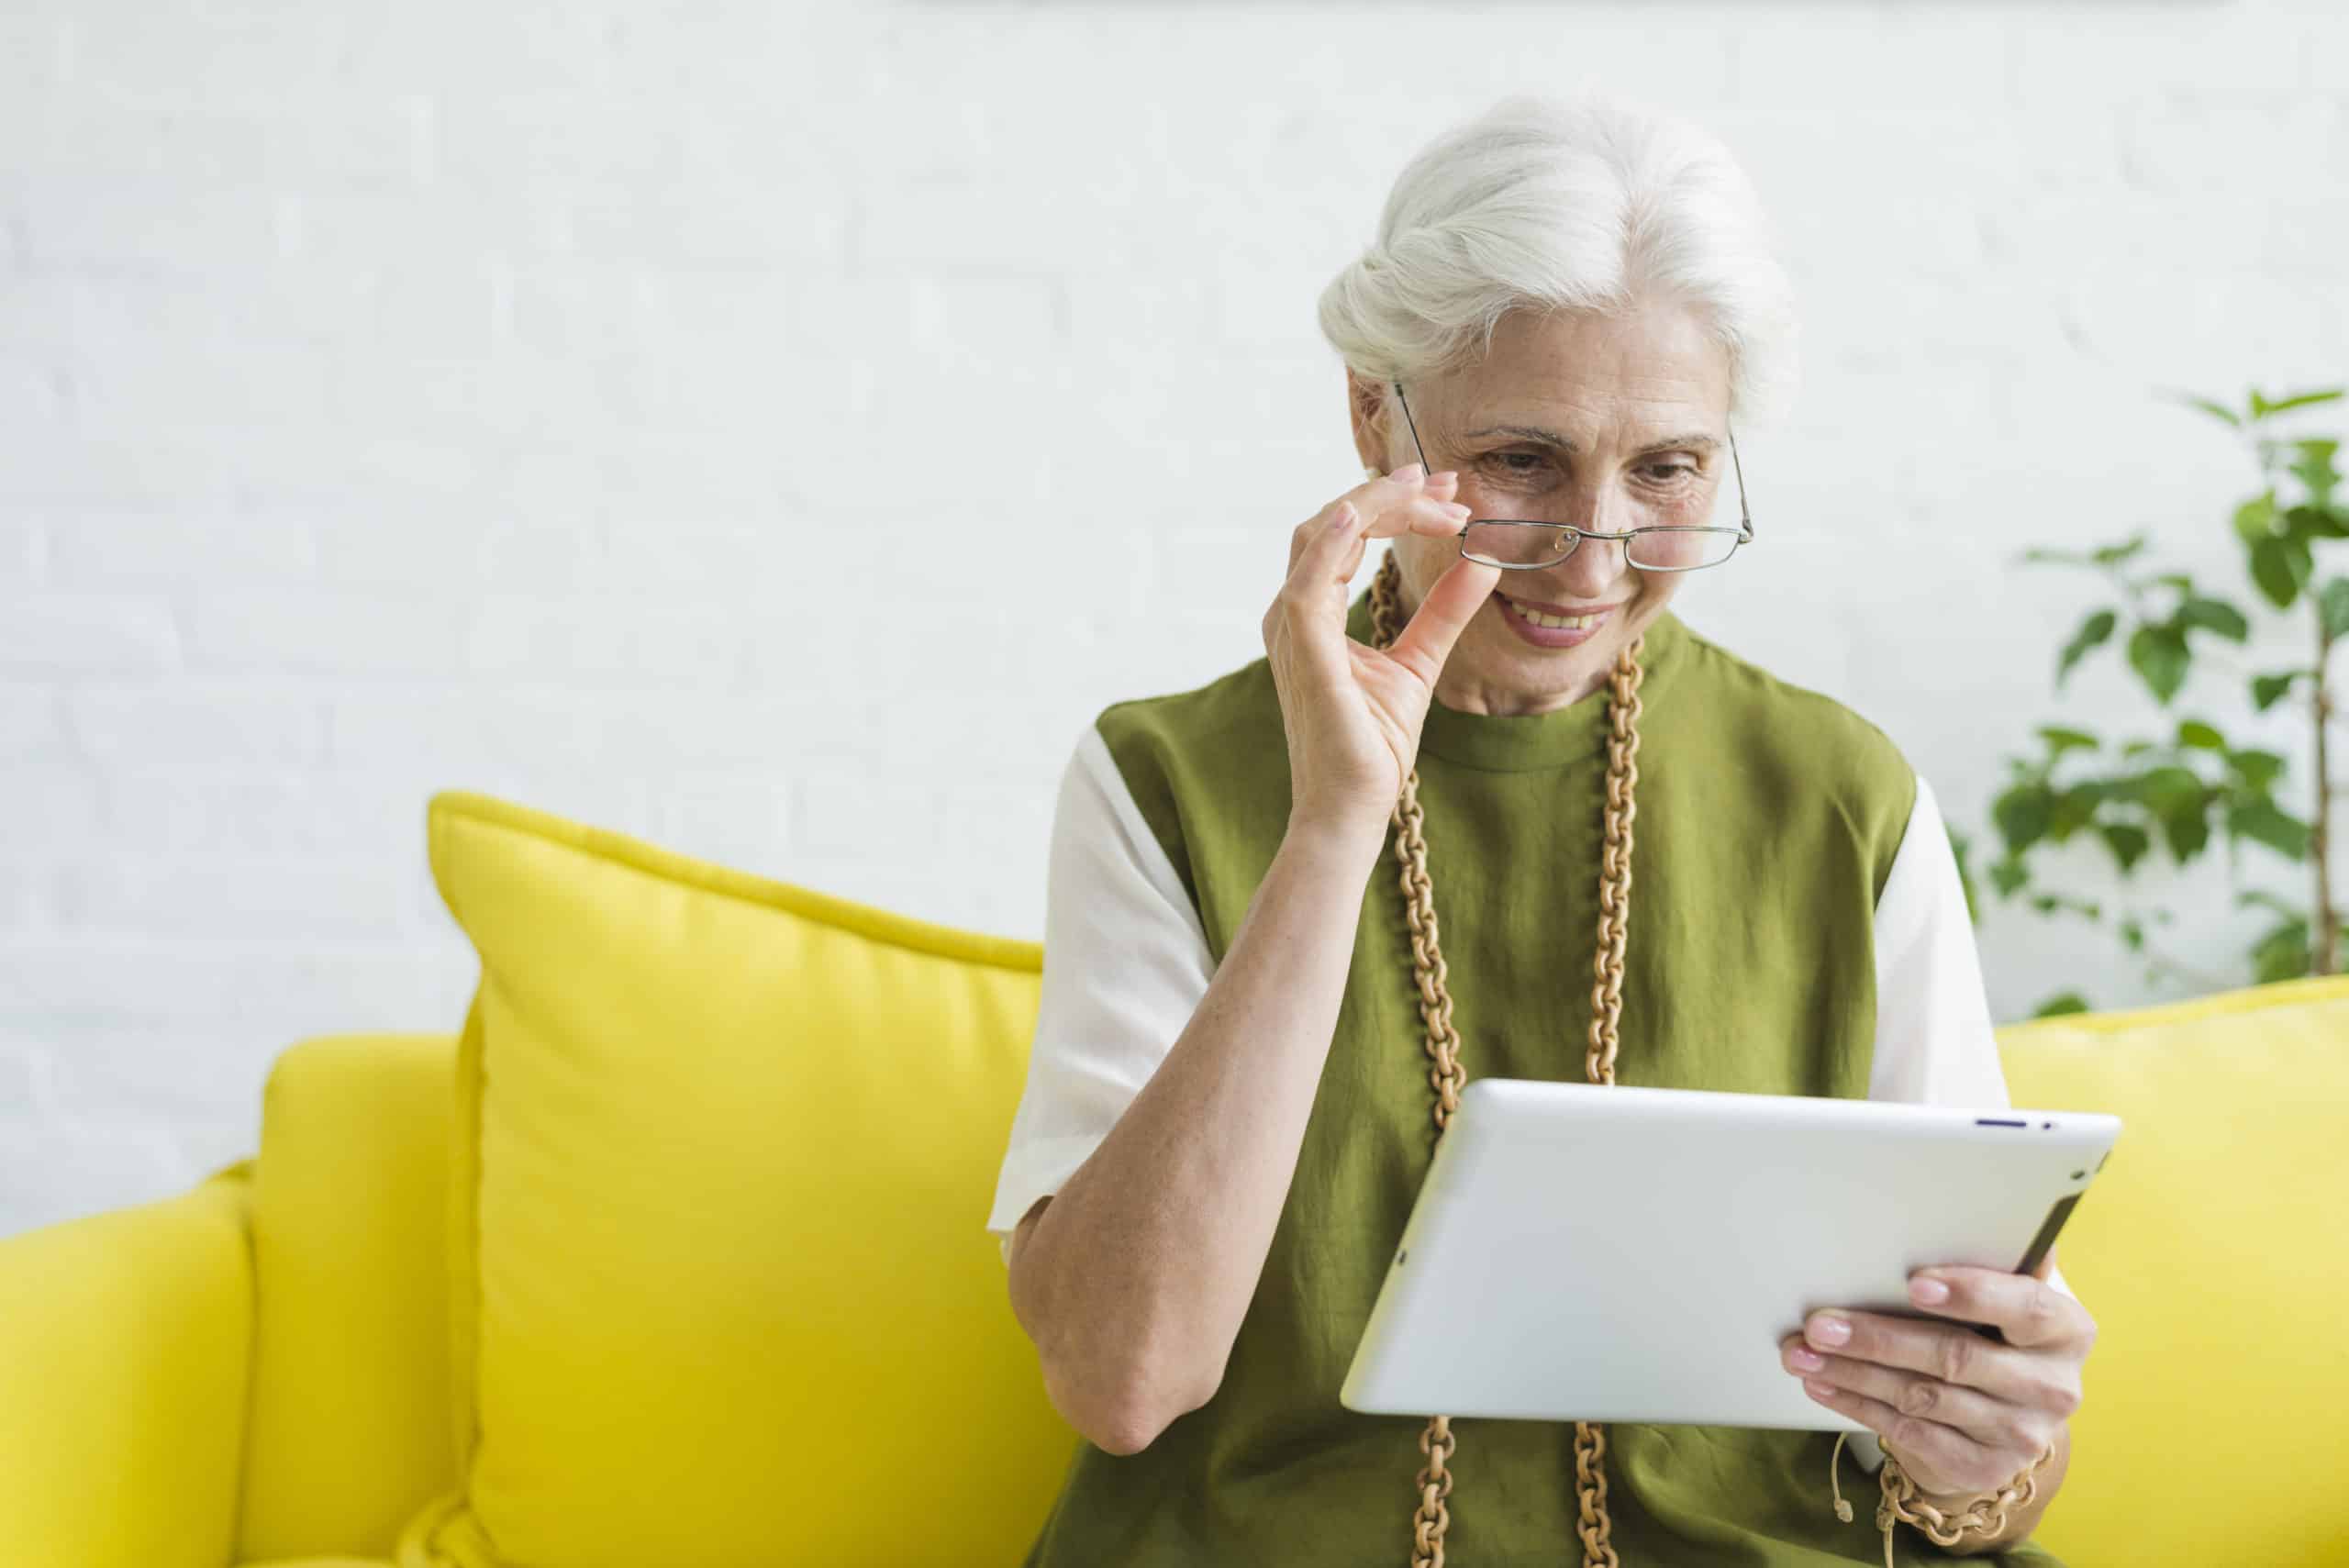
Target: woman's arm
x,y
1133,1278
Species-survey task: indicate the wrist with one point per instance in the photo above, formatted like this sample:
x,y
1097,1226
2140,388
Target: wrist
x,y
1967,1523
1349,843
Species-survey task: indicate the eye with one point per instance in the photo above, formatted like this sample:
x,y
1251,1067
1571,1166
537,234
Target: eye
x,y
1670,472
1518,462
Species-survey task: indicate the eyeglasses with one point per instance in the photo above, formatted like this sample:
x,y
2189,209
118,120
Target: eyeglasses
x,y
1519,544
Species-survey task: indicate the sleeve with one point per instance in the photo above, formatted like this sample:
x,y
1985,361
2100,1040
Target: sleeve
x,y
1934,1040
1126,964
1934,1044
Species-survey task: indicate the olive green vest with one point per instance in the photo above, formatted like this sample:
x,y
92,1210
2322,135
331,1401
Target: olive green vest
x,y
1768,819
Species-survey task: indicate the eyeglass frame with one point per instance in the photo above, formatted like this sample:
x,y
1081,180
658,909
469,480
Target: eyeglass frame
x,y
1745,530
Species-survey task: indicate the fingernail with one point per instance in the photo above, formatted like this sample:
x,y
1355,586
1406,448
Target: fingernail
x,y
1807,1359
1829,1330
1819,1390
1926,1291
1409,471
1440,478
1455,508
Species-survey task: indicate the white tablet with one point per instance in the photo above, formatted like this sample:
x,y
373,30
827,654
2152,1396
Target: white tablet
x,y
1633,1254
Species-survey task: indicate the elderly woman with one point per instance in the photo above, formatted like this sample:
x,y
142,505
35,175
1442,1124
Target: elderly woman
x,y
1246,1027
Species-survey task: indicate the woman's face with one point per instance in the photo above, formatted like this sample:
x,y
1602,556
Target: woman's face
x,y
1607,423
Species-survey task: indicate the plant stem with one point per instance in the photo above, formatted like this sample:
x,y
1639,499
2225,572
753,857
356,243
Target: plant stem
x,y
2328,919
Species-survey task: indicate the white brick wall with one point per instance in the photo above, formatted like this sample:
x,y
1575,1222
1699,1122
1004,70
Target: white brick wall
x,y
521,399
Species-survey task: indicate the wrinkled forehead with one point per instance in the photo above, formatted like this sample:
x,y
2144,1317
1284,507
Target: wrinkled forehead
x,y
1577,381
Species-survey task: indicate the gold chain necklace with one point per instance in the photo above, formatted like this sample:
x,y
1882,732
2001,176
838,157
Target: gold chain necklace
x,y
1446,1077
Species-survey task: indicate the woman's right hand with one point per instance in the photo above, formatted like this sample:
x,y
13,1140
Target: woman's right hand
x,y
1352,713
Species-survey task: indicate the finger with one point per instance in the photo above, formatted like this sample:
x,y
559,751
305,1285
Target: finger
x,y
1409,481
1994,1423
1942,1350
1312,600
1427,641
1301,538
1416,514
1325,549
1956,1463
2025,1309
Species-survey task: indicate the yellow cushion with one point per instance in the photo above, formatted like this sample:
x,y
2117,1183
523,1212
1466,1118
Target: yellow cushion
x,y
350,1408
723,1158
2210,1251
124,1352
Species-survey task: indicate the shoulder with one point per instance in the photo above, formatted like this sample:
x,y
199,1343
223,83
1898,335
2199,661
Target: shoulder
x,y
1193,726
1791,744
1202,764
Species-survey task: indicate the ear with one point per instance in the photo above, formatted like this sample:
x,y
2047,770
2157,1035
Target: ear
x,y
1367,405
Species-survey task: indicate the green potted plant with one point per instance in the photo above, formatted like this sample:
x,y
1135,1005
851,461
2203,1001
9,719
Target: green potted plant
x,y
2174,793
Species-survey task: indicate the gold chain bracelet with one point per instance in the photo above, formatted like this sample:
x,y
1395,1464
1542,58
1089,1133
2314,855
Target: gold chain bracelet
x,y
1985,1513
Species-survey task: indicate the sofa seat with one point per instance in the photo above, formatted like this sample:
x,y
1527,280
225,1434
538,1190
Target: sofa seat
x,y
255,1372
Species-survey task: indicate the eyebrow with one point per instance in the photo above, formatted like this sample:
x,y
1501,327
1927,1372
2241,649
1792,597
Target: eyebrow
x,y
1695,441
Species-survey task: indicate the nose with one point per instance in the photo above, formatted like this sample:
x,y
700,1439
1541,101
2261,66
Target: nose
x,y
1589,575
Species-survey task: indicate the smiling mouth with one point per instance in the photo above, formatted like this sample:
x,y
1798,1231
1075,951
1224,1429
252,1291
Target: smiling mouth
x,y
1535,613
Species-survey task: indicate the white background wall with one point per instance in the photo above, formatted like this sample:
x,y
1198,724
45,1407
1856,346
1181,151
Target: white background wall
x,y
776,433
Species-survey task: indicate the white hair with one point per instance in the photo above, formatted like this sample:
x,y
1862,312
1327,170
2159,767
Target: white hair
x,y
1586,205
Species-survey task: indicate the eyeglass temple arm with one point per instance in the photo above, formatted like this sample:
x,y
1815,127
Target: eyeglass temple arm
x,y
1409,424
1744,517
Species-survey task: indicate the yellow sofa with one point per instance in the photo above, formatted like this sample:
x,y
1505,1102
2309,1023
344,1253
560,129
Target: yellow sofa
x,y
258,1370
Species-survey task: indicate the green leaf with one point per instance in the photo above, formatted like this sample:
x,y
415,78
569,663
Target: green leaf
x,y
2318,521
2261,409
2060,739
2160,657
2315,469
2136,749
2258,769
2061,1005
2187,832
2177,580
2264,822
2169,788
2280,566
2128,842
2256,518
2022,814
2195,733
2041,557
2333,603
2095,630
2114,554
2216,410
2267,691
2007,875
2075,808
2133,935
2215,616
2282,953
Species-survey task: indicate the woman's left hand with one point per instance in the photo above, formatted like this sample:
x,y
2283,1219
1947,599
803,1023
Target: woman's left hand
x,y
1963,1412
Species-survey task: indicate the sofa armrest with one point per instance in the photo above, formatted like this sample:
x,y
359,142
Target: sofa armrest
x,y
125,1350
